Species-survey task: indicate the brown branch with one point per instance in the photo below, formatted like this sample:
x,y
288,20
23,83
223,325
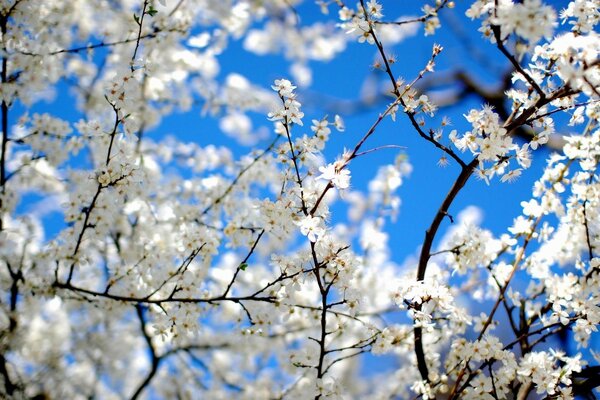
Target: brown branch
x,y
92,46
242,265
425,255
4,107
286,125
514,62
140,23
171,299
87,212
466,172
154,359
590,247
399,94
586,381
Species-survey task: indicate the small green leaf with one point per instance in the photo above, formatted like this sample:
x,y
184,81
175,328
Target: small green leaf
x,y
136,19
243,266
152,11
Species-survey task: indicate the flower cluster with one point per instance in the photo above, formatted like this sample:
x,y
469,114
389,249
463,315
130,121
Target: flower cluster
x,y
290,112
531,19
491,143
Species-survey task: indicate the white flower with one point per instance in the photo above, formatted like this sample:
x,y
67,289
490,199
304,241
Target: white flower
x,y
520,226
339,123
321,128
374,9
360,28
284,87
345,14
311,227
531,208
339,178
290,113
511,176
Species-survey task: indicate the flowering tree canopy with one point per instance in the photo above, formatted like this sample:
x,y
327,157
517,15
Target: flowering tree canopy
x,y
135,264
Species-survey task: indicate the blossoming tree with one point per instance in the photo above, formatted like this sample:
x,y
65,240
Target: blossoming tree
x,y
180,270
